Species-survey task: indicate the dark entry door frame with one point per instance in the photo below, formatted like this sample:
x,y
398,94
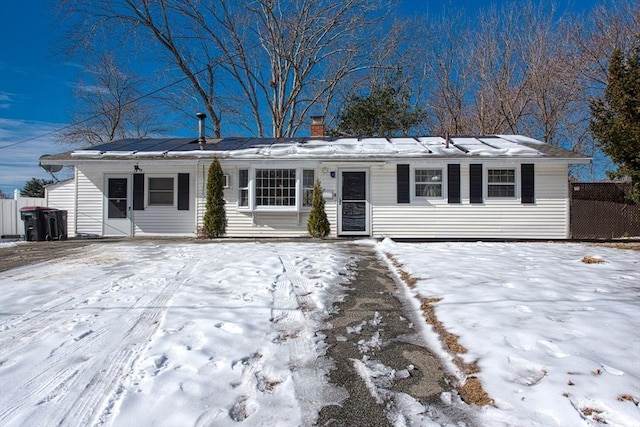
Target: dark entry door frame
x,y
354,218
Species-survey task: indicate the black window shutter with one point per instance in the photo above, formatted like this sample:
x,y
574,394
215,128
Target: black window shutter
x,y
453,183
403,182
475,183
138,192
183,191
528,183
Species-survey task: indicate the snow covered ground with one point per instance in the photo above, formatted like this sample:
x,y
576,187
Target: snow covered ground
x,y
157,334
557,340
206,334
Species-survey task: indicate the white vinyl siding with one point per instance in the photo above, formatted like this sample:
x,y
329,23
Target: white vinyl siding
x,y
548,218
152,221
166,219
90,183
61,195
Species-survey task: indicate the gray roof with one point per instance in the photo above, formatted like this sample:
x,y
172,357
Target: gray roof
x,y
500,146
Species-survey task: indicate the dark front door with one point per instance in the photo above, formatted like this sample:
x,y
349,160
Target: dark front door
x,y
353,203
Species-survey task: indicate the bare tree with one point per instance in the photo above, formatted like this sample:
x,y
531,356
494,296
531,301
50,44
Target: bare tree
x,y
611,25
280,58
499,72
516,70
446,54
109,107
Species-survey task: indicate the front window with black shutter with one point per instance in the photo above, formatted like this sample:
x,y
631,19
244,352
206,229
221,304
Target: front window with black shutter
x,y
403,184
161,192
475,183
453,183
138,192
501,183
527,184
428,183
183,192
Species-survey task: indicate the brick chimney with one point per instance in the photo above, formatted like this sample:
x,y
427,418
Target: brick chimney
x,y
317,126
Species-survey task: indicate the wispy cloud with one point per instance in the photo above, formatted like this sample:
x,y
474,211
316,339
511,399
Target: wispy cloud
x,y
6,100
22,142
91,89
6,66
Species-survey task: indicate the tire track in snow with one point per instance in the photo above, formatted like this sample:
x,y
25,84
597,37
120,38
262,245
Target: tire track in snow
x,y
302,352
79,393
292,291
38,322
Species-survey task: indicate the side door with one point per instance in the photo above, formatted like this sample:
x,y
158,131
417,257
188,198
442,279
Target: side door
x,y
353,203
117,206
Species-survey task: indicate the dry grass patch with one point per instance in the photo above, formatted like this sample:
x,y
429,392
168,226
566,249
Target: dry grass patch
x,y
471,391
594,414
629,398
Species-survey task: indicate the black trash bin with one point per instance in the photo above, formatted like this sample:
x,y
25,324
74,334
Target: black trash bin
x,y
43,223
56,224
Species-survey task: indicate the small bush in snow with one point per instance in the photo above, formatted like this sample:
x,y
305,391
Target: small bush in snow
x,y
318,223
215,216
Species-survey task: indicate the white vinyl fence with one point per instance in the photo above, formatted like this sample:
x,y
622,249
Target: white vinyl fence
x,y
10,222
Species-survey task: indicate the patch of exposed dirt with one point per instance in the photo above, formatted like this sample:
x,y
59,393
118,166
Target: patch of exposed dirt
x,y
27,253
620,245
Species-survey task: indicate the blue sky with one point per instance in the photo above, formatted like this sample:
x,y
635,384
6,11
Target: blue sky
x,y
36,81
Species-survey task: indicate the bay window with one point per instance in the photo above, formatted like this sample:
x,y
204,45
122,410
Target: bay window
x,y
275,188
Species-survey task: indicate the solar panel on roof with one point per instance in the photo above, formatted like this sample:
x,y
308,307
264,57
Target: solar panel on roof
x,y
113,145
142,144
173,144
228,144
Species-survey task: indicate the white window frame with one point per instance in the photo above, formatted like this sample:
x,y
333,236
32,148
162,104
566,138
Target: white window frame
x,y
306,189
514,184
415,198
174,191
442,182
246,188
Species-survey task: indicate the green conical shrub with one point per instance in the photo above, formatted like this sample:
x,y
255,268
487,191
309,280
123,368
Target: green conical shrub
x,y
215,216
318,223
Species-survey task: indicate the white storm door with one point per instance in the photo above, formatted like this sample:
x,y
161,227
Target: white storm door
x,y
353,203
117,205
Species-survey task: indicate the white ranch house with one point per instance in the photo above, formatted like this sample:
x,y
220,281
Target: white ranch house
x,y
498,186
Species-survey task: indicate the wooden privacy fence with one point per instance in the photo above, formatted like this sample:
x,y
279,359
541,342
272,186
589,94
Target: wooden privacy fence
x,y
601,210
10,222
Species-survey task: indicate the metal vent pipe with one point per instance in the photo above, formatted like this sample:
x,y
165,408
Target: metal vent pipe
x,y
201,139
